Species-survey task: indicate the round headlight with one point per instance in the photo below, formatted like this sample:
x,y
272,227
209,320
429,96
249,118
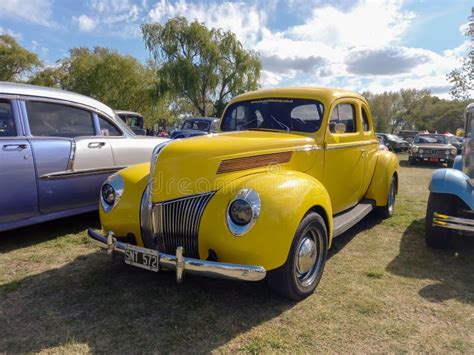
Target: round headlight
x,y
111,192
240,212
454,151
108,194
243,211
415,149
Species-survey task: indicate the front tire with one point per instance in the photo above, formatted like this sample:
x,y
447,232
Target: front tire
x,y
437,237
387,210
411,160
300,274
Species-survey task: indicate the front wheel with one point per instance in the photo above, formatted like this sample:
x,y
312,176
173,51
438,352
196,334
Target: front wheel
x,y
300,274
438,237
411,160
387,210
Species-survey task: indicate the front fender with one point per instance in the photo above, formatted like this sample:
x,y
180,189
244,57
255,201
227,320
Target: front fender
x,y
386,167
124,219
453,182
285,197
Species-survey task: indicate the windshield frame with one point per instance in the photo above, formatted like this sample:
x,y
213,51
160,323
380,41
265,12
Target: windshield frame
x,y
279,125
431,136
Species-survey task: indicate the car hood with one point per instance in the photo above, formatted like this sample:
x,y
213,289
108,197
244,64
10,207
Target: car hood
x,y
207,163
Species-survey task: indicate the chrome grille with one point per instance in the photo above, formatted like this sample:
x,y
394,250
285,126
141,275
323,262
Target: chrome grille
x,y
176,223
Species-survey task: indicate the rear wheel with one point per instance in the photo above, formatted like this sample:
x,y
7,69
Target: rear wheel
x,y
303,269
438,237
387,210
411,160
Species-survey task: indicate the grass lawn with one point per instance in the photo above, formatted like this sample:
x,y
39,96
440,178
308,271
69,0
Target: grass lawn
x,y
383,290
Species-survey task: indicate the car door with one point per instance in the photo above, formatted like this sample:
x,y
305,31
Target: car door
x,y
71,160
126,150
17,171
344,156
370,149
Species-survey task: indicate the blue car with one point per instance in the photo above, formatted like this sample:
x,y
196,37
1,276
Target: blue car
x,y
450,208
56,150
196,126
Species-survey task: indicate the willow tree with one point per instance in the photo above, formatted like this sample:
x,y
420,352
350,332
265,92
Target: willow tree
x,y
205,66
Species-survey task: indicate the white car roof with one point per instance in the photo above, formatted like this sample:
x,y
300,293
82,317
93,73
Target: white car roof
x,y
42,91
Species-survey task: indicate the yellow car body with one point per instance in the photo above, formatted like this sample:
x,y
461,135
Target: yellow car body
x,y
293,172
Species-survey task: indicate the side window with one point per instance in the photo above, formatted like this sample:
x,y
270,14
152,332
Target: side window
x,y
7,121
107,128
365,120
57,120
345,114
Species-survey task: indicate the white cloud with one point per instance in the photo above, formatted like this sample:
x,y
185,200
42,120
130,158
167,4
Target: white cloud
x,y
246,21
36,11
10,32
85,23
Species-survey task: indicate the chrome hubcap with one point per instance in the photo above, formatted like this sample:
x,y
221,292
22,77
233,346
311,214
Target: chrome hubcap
x,y
391,198
307,261
306,255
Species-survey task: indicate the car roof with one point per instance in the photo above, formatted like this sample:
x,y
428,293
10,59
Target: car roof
x,y
325,94
123,112
51,93
210,119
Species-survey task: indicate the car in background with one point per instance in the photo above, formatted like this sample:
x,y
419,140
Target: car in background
x,y
457,142
450,209
57,148
134,120
382,145
393,142
290,170
433,148
196,126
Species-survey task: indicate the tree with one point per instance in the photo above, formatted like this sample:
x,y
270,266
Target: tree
x,y
205,66
15,61
462,78
49,76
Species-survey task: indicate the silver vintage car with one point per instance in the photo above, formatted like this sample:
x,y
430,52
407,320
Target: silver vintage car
x,y
56,149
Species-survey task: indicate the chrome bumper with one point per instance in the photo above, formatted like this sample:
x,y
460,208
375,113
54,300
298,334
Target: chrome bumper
x,y
182,264
456,223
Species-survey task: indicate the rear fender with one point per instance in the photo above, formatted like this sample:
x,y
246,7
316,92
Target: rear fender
x,y
387,166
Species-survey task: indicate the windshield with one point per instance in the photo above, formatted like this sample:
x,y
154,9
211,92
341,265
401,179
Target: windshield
x,y
301,115
196,125
431,138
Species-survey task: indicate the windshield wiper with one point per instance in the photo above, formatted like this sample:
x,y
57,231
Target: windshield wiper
x,y
246,124
281,124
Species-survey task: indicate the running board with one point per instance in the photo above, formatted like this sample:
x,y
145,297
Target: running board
x,y
349,218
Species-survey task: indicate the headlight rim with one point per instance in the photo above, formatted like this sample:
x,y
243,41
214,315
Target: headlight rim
x,y
253,199
453,151
117,182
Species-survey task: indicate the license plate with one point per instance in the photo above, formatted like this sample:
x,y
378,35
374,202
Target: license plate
x,y
434,158
142,257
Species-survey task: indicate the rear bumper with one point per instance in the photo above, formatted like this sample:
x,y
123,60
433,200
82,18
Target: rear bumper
x,y
455,223
187,265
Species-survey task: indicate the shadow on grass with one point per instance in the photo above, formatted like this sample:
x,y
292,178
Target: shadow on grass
x,y
112,307
43,232
450,270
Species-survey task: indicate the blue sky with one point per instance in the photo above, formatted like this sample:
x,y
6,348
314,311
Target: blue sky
x,y
360,45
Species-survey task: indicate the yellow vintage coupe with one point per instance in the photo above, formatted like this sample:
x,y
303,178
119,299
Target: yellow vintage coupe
x,y
291,170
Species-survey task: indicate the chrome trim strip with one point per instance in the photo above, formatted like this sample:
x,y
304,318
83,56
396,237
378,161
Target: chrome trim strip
x,y
334,146
75,173
72,156
309,148
182,264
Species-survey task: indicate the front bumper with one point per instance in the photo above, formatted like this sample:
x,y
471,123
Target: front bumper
x,y
455,223
182,265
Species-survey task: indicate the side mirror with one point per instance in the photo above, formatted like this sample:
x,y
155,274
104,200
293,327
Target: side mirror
x,y
340,128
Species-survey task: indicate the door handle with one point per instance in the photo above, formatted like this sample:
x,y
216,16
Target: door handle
x,y
95,145
14,146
